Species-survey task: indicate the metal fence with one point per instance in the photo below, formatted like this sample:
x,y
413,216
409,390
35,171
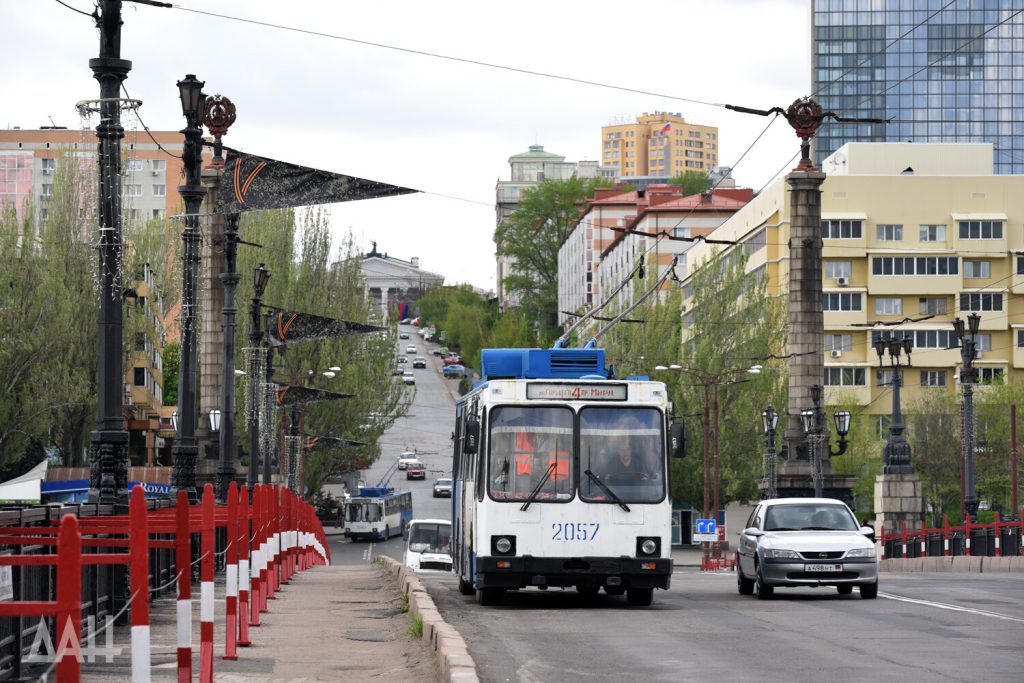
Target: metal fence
x,y
999,539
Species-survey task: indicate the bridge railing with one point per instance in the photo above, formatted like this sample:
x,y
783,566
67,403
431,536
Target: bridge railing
x,y
999,538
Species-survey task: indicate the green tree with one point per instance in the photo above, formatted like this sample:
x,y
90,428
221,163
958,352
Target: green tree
x,y
933,430
532,236
172,363
692,182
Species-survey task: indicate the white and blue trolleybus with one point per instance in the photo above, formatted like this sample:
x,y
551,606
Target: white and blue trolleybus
x,y
562,478
377,513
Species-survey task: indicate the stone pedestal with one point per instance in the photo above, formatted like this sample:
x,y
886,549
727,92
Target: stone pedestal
x,y
898,500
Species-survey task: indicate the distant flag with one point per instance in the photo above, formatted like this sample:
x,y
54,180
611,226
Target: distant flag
x,y
667,127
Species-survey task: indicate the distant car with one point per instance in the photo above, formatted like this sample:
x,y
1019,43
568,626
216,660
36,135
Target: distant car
x,y
407,457
416,470
404,321
409,377
442,488
401,359
452,359
403,335
454,371
419,362
398,370
790,542
411,348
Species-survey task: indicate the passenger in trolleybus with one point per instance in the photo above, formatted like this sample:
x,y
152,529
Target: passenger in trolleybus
x,y
531,450
622,450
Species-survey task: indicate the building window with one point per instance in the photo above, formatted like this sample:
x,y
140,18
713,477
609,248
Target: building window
x,y
889,233
1020,339
981,230
132,190
983,342
889,306
47,190
1020,265
159,190
845,377
839,342
158,165
883,378
837,269
134,214
140,377
933,305
49,164
841,230
133,165
935,339
933,233
990,375
841,301
977,270
44,213
158,213
915,265
981,301
933,378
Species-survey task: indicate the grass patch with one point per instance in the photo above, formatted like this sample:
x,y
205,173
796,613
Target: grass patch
x,y
416,626
403,604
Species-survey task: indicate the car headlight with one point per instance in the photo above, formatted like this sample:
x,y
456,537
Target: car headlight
x,y
778,554
861,552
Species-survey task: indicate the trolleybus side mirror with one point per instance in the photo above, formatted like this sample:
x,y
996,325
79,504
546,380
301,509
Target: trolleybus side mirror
x,y
677,440
472,438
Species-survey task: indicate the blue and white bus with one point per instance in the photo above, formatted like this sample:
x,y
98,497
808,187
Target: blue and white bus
x,y
377,513
562,478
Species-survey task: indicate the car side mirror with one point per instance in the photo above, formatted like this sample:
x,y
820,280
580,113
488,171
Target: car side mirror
x,y
677,440
472,438
869,532
752,531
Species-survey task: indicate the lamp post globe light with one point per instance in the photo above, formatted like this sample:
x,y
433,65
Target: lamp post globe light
x,y
769,423
968,378
813,423
260,278
193,106
896,456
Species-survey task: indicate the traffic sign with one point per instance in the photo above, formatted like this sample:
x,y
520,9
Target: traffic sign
x,y
706,531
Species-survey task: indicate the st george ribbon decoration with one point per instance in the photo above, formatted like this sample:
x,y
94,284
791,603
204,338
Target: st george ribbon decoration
x,y
287,327
291,394
315,444
253,183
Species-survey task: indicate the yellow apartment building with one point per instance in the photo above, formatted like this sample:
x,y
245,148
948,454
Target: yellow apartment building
x,y
916,234
661,144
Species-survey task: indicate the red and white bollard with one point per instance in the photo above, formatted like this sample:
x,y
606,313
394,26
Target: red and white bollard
x,y
206,606
243,567
138,551
183,563
254,577
231,576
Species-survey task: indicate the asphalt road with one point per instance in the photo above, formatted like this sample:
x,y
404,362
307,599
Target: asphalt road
x,y
427,429
922,627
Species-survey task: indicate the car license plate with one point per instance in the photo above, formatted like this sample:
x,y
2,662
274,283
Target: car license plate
x,y
823,567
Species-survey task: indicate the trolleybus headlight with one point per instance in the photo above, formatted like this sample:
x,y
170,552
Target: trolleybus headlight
x,y
503,545
648,546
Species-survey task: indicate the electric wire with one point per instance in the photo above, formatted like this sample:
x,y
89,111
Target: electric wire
x,y
93,16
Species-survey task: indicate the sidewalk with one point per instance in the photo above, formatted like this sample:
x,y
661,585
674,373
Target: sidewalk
x,y
338,623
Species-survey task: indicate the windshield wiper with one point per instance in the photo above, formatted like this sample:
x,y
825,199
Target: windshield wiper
x,y
536,489
608,491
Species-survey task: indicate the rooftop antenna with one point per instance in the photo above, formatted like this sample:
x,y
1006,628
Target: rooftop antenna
x,y
52,123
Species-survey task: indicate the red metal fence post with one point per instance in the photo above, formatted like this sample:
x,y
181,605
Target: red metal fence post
x,y
138,551
69,600
231,575
206,606
256,592
183,563
243,567
273,495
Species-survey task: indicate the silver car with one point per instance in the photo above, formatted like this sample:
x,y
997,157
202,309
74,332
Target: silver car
x,y
807,542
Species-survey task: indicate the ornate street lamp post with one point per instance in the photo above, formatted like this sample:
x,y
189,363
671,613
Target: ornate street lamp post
x,y
260,278
813,422
769,422
896,456
193,106
968,378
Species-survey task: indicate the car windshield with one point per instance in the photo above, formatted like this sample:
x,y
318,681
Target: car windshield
x,y
809,517
443,482
428,537
529,446
623,449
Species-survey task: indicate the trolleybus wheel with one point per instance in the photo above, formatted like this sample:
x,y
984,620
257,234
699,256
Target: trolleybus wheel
x,y
640,597
387,533
489,596
466,587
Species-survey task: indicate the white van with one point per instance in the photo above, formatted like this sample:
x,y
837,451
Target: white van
x,y
428,544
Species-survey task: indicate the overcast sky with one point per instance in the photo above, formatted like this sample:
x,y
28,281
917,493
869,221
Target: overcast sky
x,y
443,127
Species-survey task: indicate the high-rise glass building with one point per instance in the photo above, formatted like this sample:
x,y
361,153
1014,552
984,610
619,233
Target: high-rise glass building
x,y
957,76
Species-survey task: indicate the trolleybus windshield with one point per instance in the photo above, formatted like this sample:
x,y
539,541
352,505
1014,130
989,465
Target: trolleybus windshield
x,y
362,511
528,444
623,448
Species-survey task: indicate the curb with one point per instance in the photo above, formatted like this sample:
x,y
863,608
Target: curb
x,y
457,666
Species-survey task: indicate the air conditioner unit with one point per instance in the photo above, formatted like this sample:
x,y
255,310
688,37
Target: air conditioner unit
x,y
843,281
156,172
836,353
47,171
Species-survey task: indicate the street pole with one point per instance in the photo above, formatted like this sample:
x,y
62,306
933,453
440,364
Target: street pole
x,y
896,456
193,102
1013,459
968,377
718,547
260,278
108,444
293,450
268,412
770,418
226,466
707,448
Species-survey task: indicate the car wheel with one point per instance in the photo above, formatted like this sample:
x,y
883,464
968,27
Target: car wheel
x,y
640,597
743,584
845,589
764,591
488,597
869,591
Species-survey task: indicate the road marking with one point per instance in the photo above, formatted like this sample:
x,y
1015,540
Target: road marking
x,y
954,608
368,553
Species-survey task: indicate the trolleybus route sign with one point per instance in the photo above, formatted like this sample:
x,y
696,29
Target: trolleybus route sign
x,y
577,392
